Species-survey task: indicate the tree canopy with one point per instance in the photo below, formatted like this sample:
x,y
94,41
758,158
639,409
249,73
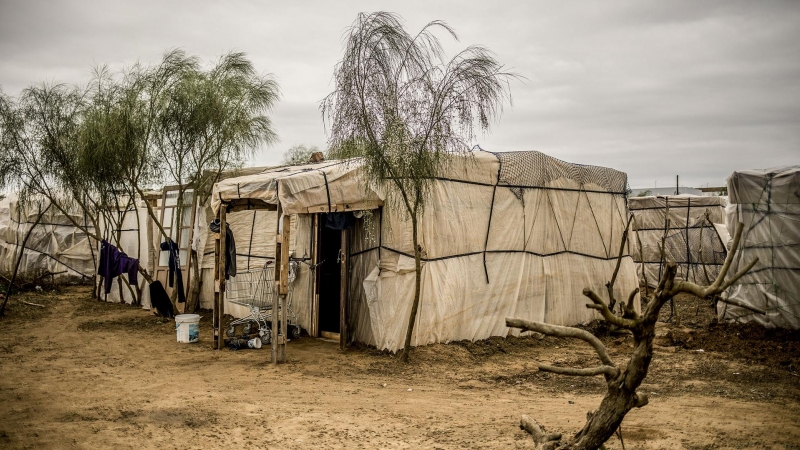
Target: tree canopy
x,y
402,109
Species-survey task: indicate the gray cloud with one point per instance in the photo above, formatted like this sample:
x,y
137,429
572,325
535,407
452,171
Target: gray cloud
x,y
652,88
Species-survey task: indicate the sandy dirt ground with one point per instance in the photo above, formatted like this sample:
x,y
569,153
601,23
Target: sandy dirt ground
x,y
85,374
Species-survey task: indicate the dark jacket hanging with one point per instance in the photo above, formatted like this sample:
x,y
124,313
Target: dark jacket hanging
x,y
175,275
230,248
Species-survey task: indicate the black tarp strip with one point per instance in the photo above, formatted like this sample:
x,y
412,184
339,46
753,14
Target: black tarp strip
x,y
603,258
522,186
327,189
250,244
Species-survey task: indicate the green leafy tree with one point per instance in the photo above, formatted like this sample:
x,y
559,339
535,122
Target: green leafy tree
x,y
403,110
298,155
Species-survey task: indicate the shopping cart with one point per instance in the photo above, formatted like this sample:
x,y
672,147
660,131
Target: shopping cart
x,y
255,289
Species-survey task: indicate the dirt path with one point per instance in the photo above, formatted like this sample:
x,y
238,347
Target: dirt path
x,y
83,374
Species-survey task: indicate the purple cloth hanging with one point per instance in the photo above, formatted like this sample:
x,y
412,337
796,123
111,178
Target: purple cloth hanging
x,y
114,263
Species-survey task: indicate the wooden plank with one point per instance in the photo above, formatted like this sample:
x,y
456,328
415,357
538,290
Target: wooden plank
x,y
284,286
275,296
275,306
285,241
365,205
343,290
223,227
215,317
329,335
314,328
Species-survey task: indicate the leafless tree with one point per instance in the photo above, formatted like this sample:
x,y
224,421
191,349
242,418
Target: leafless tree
x,y
622,382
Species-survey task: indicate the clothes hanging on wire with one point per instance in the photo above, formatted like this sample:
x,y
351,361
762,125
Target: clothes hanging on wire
x,y
175,278
230,248
113,263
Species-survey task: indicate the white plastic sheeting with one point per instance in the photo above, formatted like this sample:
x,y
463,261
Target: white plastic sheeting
x,y
692,230
54,246
513,234
767,202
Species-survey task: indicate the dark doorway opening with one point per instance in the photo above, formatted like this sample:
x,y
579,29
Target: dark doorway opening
x,y
330,277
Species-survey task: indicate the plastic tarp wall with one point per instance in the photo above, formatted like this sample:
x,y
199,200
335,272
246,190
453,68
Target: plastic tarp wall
x,y
693,233
55,245
767,202
522,244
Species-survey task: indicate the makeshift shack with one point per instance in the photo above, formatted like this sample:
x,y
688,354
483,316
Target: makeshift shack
x,y
55,247
503,234
767,202
690,229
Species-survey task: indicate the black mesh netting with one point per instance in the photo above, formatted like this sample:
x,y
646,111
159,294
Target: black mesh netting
x,y
535,169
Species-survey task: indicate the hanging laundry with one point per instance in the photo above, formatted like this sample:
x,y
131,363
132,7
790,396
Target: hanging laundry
x,y
160,300
230,248
175,275
113,263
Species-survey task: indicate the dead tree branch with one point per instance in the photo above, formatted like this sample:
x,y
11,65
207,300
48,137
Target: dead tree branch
x,y
621,395
565,332
612,301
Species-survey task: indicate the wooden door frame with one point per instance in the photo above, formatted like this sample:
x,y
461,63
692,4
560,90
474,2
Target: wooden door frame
x,y
344,289
314,327
344,286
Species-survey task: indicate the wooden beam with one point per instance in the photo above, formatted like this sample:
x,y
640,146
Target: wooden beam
x,y
223,228
314,329
344,283
358,206
284,287
215,316
285,240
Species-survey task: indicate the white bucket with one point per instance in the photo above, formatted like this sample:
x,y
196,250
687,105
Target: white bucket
x,y
188,327
254,343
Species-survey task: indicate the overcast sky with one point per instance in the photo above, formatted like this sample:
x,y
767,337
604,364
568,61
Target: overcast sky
x,y
652,88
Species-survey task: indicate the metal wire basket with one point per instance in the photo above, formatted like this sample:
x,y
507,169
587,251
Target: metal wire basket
x,y
255,289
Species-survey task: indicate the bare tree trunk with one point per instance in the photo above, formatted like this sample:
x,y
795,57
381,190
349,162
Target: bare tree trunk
x,y
621,395
194,287
19,260
417,281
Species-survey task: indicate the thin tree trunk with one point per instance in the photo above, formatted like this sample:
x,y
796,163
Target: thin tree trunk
x,y
194,290
417,280
138,298
19,260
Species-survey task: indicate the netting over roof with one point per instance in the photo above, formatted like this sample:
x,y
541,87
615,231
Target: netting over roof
x,y
535,169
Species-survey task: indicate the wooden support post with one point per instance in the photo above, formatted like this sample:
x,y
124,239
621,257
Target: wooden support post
x,y
276,300
284,286
215,316
223,229
314,329
279,324
343,292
